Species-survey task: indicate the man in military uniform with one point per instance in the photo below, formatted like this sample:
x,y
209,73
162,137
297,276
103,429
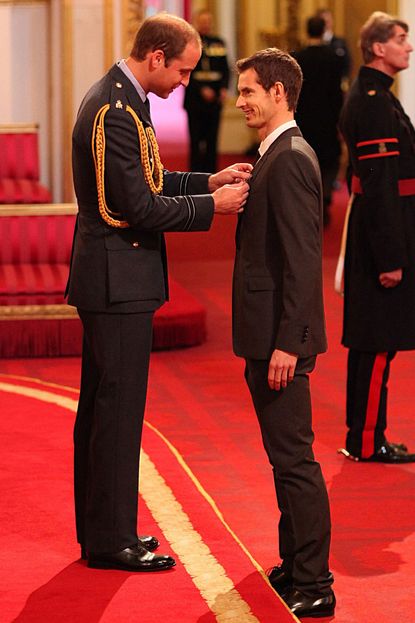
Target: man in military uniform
x,y
118,277
337,44
205,95
379,286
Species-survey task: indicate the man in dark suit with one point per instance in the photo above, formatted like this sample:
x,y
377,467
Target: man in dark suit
x,y
118,277
205,95
379,284
278,320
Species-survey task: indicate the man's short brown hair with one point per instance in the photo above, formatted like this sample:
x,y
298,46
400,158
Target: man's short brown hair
x,y
165,32
379,28
273,65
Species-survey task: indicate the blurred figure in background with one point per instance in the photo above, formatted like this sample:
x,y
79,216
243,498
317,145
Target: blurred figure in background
x,y
205,95
337,44
319,105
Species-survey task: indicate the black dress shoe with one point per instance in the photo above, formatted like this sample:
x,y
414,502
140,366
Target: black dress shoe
x,y
135,558
310,606
149,542
279,579
399,446
391,453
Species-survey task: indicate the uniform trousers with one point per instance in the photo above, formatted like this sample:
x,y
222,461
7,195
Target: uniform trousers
x,y
366,403
108,426
203,123
304,528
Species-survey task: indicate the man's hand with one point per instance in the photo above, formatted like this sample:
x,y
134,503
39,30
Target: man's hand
x,y
281,369
241,171
208,94
391,279
231,198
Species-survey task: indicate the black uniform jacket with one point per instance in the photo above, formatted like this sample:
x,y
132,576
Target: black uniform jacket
x,y
320,101
277,284
381,232
124,270
212,70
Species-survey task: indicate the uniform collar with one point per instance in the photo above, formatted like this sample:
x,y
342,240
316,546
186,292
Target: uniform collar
x,y
374,74
127,71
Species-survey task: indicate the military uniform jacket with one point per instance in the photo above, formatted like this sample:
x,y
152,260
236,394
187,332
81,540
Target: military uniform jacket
x,y
381,231
124,270
277,282
212,71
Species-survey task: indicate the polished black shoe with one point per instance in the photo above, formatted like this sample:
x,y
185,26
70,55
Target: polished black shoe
x,y
310,605
135,558
279,579
391,453
399,446
149,542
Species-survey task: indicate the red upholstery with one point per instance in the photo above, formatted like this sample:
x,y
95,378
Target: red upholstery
x,y
19,168
19,152
34,258
23,191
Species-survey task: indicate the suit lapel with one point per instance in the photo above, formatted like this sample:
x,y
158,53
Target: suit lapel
x,y
271,149
258,167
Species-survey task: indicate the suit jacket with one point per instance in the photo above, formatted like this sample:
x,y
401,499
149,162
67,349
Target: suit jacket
x,y
277,283
124,270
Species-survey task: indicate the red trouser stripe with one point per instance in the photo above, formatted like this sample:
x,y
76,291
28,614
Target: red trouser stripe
x,y
368,438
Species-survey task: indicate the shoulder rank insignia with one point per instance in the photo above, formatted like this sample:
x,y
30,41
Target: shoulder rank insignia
x,y
118,104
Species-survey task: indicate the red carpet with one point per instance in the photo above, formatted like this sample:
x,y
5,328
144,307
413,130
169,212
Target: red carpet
x,y
199,402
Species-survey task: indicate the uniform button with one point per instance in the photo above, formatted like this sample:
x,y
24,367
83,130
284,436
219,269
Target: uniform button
x,y
136,244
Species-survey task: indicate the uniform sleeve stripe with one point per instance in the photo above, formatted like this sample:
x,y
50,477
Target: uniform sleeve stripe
x,y
192,212
183,183
388,153
377,141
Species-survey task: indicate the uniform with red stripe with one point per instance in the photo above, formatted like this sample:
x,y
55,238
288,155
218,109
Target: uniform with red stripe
x,y
378,320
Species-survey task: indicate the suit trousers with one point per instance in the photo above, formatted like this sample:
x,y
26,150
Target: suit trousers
x,y
285,420
108,426
366,403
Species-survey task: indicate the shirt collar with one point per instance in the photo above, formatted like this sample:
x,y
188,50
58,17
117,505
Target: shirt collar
x,y
125,69
268,140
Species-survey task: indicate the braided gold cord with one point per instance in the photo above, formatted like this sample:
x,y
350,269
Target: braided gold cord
x,y
153,171
98,152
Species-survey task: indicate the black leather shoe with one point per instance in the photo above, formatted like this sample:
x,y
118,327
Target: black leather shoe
x,y
310,606
391,453
135,558
279,579
399,446
149,542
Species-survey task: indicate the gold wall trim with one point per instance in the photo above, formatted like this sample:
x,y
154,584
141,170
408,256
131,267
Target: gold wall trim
x,y
27,2
132,16
37,312
19,128
108,33
38,209
67,96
